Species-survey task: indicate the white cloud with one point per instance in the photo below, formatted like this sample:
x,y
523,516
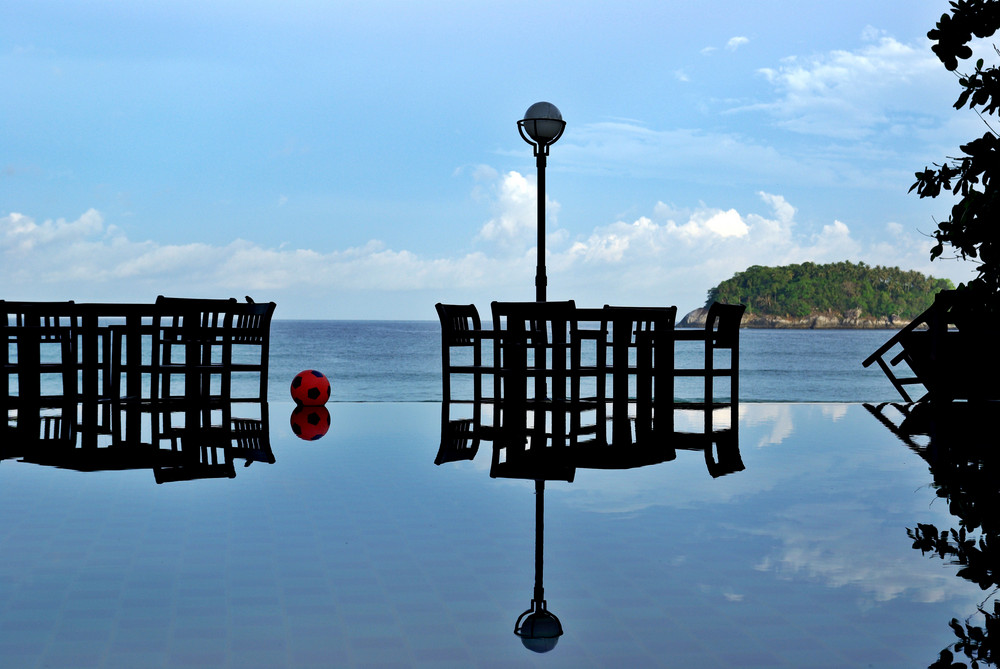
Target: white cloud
x,y
692,241
71,259
514,227
853,94
669,255
723,224
21,233
515,220
735,43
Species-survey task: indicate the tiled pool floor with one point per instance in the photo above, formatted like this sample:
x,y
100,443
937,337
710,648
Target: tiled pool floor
x,y
357,551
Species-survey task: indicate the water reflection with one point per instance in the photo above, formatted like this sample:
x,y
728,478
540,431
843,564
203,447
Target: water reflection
x,y
178,441
958,442
544,440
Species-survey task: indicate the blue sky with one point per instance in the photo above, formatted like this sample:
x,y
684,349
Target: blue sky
x,y
361,159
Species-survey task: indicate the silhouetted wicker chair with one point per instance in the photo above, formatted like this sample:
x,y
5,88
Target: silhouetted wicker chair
x,y
462,337
42,338
193,339
721,333
533,363
532,350
461,328
250,338
641,366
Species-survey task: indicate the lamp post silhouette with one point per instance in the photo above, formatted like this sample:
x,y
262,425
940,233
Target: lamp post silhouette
x,y
541,127
538,628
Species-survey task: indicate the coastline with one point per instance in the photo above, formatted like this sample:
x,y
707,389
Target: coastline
x,y
851,320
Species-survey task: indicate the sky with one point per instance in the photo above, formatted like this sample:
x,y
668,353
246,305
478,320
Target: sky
x,y
361,160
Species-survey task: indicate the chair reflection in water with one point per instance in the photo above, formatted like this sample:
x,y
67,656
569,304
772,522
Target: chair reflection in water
x,y
143,386
584,389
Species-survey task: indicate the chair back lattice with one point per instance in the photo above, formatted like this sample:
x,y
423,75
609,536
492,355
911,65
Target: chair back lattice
x,y
723,322
458,321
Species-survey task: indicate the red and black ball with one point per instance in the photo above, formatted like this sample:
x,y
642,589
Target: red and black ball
x,y
310,388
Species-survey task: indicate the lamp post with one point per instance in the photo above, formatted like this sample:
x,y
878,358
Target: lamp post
x,y
541,126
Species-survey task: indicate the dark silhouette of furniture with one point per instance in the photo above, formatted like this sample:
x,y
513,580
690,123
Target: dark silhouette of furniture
x,y
459,438
461,328
251,341
948,350
251,438
641,357
532,350
199,453
589,388
721,334
38,372
194,341
206,342
42,338
95,362
190,450
531,442
532,364
588,375
462,337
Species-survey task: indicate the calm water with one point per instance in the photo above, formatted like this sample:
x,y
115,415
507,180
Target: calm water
x,y
397,361
357,551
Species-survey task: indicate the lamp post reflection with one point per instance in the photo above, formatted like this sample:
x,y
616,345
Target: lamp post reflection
x,y
524,446
539,628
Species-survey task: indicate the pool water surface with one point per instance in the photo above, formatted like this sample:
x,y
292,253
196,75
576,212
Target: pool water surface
x,y
356,550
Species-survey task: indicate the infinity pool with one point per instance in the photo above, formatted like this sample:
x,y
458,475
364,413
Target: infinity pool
x,y
356,550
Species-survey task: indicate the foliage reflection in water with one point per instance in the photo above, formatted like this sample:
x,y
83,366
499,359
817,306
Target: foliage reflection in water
x,y
958,442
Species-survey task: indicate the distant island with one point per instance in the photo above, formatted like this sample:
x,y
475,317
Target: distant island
x,y
835,295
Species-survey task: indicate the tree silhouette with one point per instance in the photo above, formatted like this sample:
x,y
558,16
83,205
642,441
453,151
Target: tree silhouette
x,y
971,229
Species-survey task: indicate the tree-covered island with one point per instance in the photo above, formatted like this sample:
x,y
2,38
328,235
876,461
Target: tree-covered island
x,y
835,295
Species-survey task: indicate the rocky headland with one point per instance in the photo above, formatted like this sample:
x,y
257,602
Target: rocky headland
x,y
853,319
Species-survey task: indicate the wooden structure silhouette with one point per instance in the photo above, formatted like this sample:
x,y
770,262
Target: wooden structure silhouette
x,y
91,386
584,387
948,351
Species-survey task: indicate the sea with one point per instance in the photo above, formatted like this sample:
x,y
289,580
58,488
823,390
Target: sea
x,y
400,361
